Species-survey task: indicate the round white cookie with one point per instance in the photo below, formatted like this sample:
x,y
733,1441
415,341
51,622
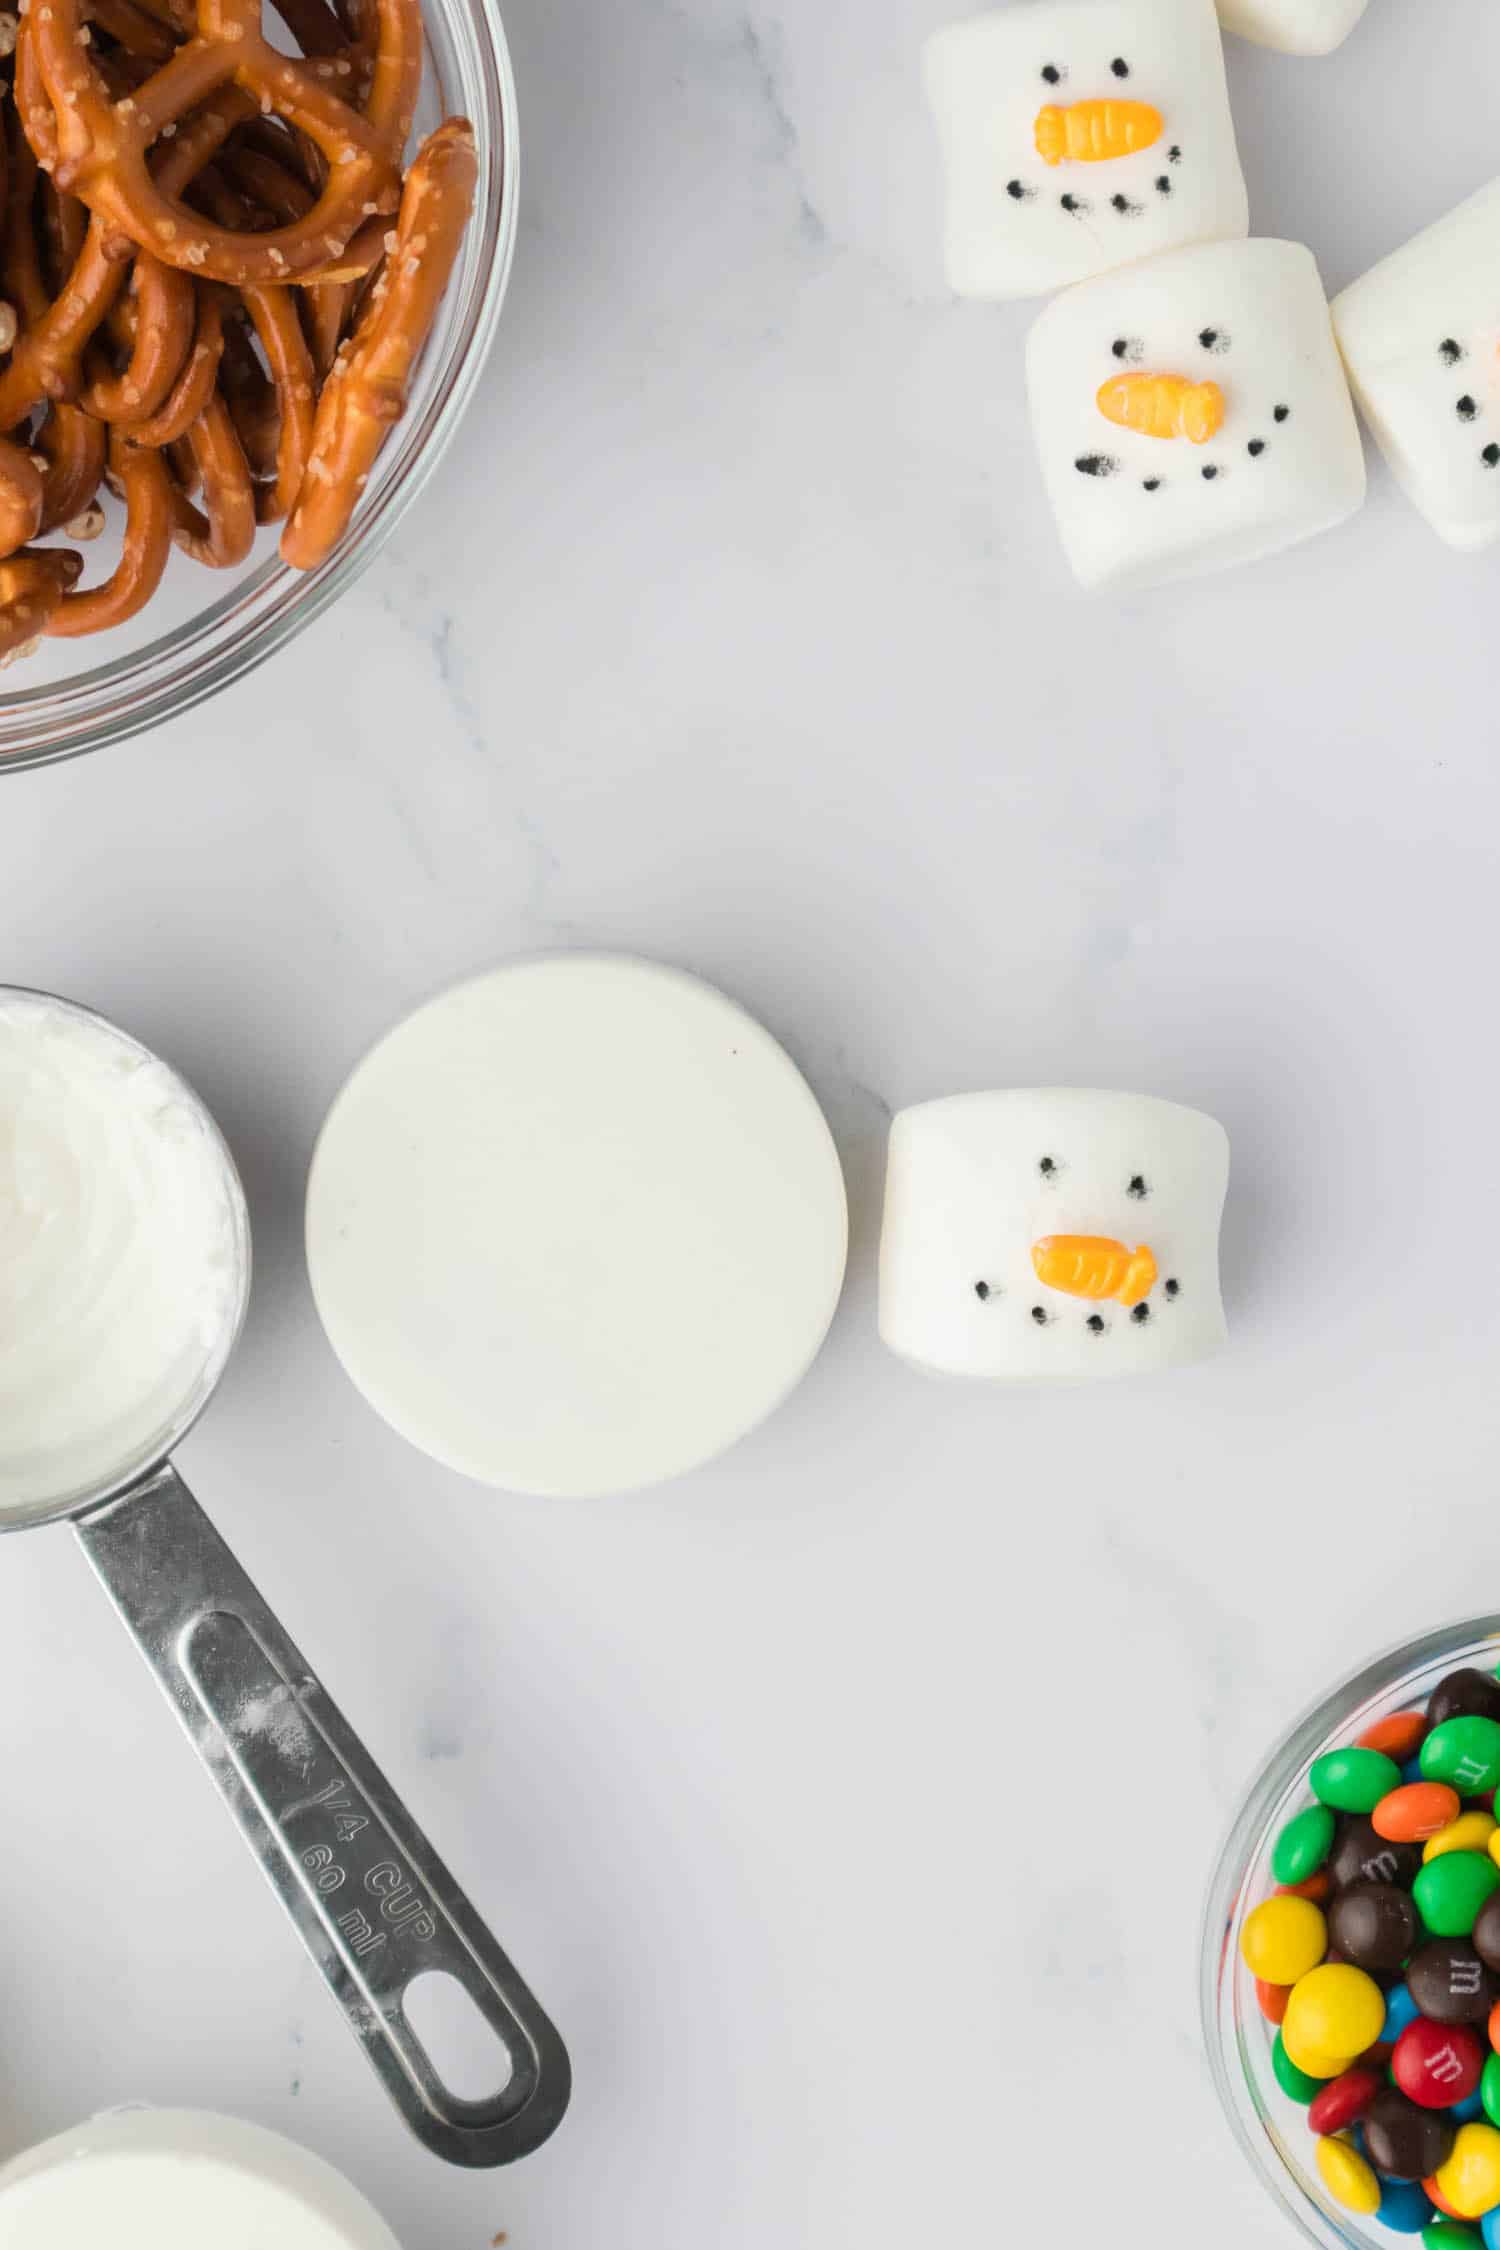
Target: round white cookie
x,y
576,1226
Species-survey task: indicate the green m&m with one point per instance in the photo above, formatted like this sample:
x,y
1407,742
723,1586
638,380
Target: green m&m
x,y
1294,2083
1353,1781
1465,1753
1303,1845
1449,1891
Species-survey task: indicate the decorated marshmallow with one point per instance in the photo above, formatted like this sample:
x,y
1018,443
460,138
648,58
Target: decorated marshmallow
x,y
1192,412
1420,334
1079,135
1297,27
1052,1234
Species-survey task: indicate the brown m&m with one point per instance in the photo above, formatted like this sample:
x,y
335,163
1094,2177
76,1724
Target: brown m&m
x,y
1449,1982
1374,1925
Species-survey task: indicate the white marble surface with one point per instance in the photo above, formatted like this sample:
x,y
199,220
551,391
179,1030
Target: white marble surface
x,y
850,1802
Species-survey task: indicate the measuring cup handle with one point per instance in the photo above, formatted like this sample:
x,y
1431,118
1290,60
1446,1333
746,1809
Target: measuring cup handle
x,y
374,1904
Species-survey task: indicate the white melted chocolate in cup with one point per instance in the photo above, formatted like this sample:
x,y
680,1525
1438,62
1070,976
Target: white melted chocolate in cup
x,y
124,1256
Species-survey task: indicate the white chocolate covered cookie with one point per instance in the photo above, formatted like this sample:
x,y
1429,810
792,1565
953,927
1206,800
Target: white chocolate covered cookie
x,y
1053,1233
1191,413
1079,135
1420,334
1297,27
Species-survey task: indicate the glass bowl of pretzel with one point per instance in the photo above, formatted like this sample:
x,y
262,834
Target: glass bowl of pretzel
x,y
251,259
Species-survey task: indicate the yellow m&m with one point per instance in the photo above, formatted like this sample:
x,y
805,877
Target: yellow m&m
x,y
1471,1832
1347,2177
1470,2180
1334,2010
1283,1939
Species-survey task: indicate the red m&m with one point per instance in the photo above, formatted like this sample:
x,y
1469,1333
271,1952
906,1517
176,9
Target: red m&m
x,y
1343,2101
1437,2064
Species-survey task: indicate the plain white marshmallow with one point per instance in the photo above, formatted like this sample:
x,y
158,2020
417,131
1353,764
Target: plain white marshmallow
x,y
1249,319
976,1181
1018,226
1420,334
1297,27
177,2179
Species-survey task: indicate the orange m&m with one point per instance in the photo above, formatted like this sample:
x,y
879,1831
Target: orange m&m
x,y
1411,1814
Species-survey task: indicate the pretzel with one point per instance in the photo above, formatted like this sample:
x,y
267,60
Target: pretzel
x,y
32,584
366,389
55,332
142,475
20,497
222,531
275,318
103,147
73,445
195,385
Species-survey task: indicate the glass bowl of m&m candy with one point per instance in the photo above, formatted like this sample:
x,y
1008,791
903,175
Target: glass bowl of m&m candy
x,y
1351,1955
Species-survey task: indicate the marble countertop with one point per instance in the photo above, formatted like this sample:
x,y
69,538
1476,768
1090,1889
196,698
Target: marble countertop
x,y
850,1802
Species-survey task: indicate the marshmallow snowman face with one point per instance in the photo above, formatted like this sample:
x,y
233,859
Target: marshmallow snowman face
x,y
1420,334
1079,135
1192,413
1297,27
1054,1234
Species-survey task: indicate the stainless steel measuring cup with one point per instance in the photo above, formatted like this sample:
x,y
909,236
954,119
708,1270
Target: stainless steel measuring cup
x,y
371,1900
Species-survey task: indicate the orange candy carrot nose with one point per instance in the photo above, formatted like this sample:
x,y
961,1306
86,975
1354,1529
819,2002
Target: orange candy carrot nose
x,y
1162,406
1095,1266
1095,132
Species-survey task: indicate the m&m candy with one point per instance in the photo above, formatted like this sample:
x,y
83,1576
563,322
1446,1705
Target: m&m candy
x,y
1438,2064
1283,1939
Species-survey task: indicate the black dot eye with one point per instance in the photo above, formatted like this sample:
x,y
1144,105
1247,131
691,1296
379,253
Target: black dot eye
x,y
1096,1324
1256,448
1120,67
1015,190
1172,1288
1140,1314
1209,472
1052,74
1491,456
1138,1187
1174,155
1467,408
1163,184
982,1291
1121,347
1280,413
1122,204
1096,465
1048,1167
1152,484
1039,1315
1450,351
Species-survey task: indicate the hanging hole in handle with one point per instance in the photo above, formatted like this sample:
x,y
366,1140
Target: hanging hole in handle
x,y
463,2047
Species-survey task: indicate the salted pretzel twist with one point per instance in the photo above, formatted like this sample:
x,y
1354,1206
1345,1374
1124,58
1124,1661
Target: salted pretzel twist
x,y
104,146
365,393
33,582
